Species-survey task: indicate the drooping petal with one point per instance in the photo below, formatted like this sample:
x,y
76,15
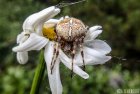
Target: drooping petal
x,y
93,32
67,16
36,19
94,53
91,57
68,62
55,21
19,37
34,42
22,57
54,78
22,37
38,29
98,45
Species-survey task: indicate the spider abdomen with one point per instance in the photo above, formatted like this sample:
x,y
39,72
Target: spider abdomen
x,y
70,29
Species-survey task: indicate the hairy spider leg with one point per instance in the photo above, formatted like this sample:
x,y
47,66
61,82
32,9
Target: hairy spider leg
x,y
73,50
82,52
52,66
55,55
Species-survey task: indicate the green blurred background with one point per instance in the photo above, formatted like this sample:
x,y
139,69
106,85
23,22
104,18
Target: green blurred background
x,y
121,24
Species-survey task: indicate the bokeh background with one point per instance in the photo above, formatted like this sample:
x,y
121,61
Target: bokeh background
x,y
121,24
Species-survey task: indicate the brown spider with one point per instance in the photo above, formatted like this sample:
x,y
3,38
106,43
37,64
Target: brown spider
x,y
70,34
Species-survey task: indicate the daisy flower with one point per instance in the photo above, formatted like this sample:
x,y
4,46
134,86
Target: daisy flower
x,y
65,40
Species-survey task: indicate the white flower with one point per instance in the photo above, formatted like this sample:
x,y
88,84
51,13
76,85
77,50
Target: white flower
x,y
32,38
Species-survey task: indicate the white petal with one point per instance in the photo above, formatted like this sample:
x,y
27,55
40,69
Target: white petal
x,y
67,16
22,57
55,21
19,37
67,62
38,29
93,32
91,57
39,18
99,45
94,28
22,37
34,42
54,78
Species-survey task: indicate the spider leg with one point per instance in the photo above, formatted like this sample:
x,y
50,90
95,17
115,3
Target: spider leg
x,y
73,54
54,56
53,53
82,52
56,53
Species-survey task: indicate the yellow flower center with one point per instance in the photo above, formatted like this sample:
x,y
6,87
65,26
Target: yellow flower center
x,y
48,31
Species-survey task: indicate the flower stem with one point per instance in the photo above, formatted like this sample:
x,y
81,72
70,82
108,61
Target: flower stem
x,y
39,73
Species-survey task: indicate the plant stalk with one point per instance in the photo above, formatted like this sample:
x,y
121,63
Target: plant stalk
x,y
39,73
